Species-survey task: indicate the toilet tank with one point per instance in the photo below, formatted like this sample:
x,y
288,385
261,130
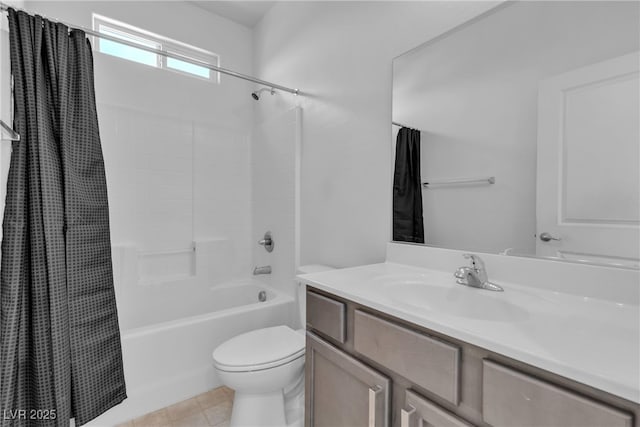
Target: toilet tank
x,y
302,294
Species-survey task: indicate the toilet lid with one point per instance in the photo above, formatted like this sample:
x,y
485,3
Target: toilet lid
x,y
259,349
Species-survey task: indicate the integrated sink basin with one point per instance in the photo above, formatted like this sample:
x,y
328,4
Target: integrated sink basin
x,y
429,293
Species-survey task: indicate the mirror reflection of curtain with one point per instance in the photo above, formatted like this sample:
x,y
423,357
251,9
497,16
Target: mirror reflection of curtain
x,y
407,188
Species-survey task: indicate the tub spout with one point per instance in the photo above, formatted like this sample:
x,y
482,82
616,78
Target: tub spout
x,y
262,270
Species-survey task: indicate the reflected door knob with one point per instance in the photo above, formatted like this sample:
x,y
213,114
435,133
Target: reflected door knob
x,y
547,237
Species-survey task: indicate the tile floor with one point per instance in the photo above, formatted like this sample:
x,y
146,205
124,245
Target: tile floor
x,y
212,408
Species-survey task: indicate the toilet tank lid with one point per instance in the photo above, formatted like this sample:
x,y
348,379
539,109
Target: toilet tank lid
x,y
313,268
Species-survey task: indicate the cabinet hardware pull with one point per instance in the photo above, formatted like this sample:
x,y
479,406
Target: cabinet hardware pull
x,y
374,394
407,418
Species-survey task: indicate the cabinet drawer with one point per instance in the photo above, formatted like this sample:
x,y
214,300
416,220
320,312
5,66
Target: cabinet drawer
x,y
326,316
419,411
425,361
514,398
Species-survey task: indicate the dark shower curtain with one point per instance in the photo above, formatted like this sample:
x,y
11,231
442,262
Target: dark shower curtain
x,y
60,352
407,188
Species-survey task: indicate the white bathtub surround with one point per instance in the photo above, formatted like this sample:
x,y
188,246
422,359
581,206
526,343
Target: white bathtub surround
x,y
148,295
578,321
275,187
173,144
171,361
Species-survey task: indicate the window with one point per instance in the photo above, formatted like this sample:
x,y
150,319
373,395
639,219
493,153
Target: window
x,y
140,37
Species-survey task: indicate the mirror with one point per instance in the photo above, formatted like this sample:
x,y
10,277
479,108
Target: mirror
x,y
528,127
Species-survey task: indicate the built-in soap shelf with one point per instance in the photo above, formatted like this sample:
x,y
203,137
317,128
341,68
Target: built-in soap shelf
x,y
210,260
163,266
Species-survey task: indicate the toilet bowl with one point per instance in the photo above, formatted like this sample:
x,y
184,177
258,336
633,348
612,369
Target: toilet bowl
x,y
258,365
265,368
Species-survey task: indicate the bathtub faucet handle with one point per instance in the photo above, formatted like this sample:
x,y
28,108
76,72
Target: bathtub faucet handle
x,y
267,242
262,270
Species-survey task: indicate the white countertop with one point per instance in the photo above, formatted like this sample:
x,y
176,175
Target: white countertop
x,y
589,340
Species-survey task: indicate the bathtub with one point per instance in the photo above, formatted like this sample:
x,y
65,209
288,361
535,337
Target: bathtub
x,y
167,356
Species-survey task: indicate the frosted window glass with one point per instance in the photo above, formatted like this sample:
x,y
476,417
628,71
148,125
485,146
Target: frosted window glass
x,y
132,37
128,52
186,67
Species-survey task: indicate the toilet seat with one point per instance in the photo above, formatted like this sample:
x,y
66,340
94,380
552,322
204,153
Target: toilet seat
x,y
259,349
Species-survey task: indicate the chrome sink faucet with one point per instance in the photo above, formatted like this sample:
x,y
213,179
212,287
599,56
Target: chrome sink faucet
x,y
475,276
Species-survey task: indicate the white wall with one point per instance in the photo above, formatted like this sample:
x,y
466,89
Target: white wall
x,y
474,95
339,54
176,150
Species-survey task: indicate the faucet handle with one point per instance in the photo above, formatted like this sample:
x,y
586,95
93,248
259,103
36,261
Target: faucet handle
x,y
462,275
461,272
476,261
267,242
478,266
476,275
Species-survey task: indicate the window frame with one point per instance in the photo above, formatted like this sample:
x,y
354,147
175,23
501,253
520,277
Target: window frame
x,y
162,43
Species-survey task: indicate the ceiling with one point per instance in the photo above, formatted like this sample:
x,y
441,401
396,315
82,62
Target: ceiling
x,y
246,13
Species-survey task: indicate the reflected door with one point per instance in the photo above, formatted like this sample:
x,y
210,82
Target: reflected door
x,y
588,185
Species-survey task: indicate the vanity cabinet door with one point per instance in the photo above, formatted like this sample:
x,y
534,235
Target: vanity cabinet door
x,y
342,391
418,412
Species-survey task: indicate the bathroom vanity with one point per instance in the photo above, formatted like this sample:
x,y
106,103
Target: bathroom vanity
x,y
391,344
498,130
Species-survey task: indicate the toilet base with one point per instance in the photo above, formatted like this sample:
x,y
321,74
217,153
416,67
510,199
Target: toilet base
x,y
264,410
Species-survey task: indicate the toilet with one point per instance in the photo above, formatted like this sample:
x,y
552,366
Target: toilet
x,y
265,367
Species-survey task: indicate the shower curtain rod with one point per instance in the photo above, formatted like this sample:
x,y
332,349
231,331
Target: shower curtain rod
x,y
4,7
